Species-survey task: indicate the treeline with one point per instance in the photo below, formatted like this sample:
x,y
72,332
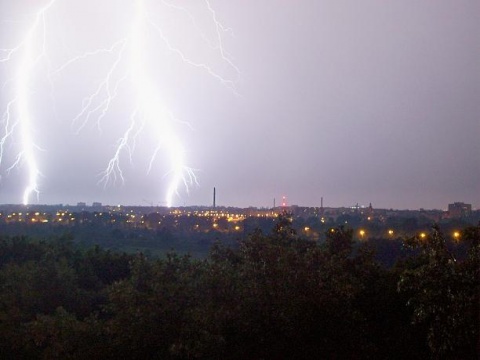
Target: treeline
x,y
274,296
118,237
195,235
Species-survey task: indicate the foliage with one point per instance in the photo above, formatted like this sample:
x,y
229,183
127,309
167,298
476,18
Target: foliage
x,y
274,295
445,294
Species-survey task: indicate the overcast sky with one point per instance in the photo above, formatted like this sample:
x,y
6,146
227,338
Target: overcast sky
x,y
362,102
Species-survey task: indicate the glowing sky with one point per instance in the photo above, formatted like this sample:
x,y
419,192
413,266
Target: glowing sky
x,y
373,101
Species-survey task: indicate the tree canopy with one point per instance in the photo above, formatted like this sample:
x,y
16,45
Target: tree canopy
x,y
274,296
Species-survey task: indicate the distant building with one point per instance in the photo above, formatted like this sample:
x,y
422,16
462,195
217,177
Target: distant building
x,y
459,209
81,204
97,204
370,211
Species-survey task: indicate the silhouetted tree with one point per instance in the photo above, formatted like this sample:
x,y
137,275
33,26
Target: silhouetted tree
x,y
444,294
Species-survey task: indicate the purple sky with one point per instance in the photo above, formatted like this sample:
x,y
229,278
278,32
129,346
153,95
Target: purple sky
x,y
373,101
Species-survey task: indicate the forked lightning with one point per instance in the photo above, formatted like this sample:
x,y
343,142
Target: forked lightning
x,y
131,54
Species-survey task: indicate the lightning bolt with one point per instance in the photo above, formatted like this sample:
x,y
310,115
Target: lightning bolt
x,y
17,113
130,56
150,112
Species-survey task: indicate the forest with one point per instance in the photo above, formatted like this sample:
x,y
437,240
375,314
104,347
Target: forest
x,y
274,295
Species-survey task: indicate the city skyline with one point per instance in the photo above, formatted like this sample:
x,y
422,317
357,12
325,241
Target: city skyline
x,y
356,103
282,204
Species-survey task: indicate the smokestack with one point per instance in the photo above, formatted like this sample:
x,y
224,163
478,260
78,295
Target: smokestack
x,y
321,202
214,198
